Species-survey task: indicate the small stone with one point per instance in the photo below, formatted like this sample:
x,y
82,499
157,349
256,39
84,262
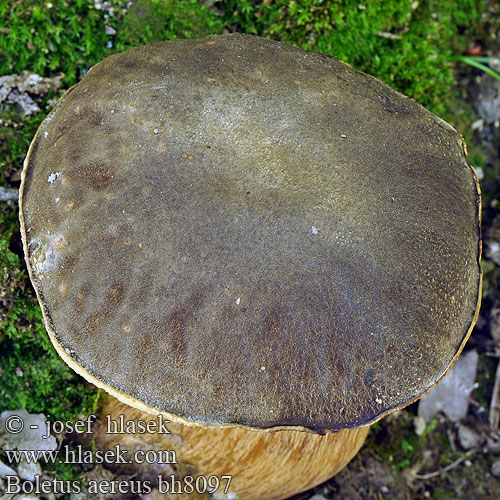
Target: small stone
x,y
420,425
487,99
28,471
495,469
493,251
468,438
493,446
5,470
477,124
25,88
31,435
8,194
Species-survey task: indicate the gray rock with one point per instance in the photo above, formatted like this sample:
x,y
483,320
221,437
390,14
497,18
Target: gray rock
x,y
495,469
8,194
28,471
80,496
24,89
487,99
469,438
5,470
29,437
451,395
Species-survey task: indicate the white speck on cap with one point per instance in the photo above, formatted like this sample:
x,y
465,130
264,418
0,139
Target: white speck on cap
x,y
314,230
53,176
238,300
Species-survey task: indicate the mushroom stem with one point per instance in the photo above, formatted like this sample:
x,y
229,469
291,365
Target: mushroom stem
x,y
262,465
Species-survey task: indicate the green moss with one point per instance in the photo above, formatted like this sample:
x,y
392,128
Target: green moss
x,y
156,20
33,375
66,37
395,441
15,139
409,48
69,37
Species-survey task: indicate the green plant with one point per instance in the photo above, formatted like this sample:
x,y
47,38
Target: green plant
x,y
477,62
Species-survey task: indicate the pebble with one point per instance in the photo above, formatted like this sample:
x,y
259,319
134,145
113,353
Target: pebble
x,y
468,438
5,470
493,446
28,471
420,425
487,99
493,251
8,194
31,436
24,89
495,469
452,394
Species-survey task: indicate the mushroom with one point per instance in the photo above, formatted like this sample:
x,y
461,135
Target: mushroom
x,y
264,245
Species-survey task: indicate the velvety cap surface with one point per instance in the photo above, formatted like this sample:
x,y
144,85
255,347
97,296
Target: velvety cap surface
x,y
232,230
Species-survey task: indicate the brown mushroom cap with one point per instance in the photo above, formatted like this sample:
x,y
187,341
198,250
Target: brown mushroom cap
x,y
231,230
